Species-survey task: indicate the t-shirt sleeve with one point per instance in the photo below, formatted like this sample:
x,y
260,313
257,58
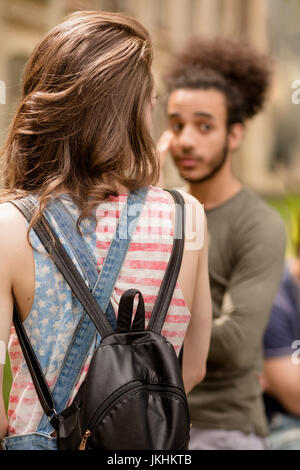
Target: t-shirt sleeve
x,y
279,334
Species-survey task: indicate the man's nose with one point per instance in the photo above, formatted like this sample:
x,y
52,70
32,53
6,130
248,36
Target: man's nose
x,y
187,139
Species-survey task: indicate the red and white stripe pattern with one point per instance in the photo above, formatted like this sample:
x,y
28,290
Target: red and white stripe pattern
x,y
147,258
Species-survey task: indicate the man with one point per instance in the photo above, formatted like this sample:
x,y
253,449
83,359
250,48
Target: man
x,y
214,87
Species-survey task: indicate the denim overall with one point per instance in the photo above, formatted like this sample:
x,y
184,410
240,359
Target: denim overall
x,y
85,333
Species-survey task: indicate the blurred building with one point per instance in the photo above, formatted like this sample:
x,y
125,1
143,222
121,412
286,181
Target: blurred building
x,y
171,23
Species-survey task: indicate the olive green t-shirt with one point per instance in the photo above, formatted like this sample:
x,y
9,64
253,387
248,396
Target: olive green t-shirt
x,y
246,240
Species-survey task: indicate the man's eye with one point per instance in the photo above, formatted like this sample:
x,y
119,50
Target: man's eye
x,y
205,127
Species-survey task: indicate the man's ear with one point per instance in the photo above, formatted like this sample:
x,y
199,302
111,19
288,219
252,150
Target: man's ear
x,y
235,136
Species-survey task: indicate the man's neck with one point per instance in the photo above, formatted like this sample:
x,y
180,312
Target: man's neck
x,y
216,191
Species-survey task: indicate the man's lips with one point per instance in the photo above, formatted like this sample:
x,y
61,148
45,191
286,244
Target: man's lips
x,y
187,162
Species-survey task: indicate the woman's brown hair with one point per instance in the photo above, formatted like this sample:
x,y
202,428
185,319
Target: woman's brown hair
x,y
81,125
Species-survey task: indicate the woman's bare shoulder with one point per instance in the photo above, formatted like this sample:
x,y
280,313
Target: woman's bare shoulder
x,y
190,199
10,214
195,221
12,226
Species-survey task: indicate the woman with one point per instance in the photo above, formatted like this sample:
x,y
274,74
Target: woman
x,y
81,134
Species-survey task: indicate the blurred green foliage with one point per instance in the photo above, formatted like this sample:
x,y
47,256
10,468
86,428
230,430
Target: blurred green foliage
x,y
6,381
289,209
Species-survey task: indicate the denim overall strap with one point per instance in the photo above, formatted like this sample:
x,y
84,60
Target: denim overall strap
x,y
82,253
101,285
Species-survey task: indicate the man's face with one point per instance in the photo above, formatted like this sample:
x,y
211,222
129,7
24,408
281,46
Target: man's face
x,y
197,119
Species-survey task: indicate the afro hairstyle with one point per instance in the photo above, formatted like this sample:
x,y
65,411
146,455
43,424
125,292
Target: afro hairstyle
x,y
234,68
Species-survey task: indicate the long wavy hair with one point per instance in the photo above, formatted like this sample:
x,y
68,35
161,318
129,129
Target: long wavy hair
x,y
81,127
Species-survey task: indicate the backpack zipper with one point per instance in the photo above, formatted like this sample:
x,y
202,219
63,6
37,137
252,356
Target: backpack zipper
x,y
133,386
84,439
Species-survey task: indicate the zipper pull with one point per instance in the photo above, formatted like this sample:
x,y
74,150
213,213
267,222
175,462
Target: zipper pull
x,y
84,439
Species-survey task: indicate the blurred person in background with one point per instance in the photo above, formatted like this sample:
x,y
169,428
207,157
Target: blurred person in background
x,y
214,87
281,374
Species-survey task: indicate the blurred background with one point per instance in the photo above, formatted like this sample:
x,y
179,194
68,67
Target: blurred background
x,y
269,159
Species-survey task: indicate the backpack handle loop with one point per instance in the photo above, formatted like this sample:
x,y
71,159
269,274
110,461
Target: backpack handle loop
x,y
126,311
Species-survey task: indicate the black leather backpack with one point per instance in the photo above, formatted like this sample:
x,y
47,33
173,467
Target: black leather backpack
x,y
133,396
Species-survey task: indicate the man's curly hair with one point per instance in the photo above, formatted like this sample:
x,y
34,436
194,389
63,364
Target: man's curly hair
x,y
232,67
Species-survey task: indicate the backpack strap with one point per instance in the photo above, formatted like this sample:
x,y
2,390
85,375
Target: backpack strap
x,y
101,285
83,255
168,284
59,255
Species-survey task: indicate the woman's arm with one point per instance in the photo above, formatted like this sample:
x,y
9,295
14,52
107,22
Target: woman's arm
x,y
6,308
162,148
197,338
9,247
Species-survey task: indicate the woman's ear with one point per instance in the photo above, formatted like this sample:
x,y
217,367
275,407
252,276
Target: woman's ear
x,y
235,136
